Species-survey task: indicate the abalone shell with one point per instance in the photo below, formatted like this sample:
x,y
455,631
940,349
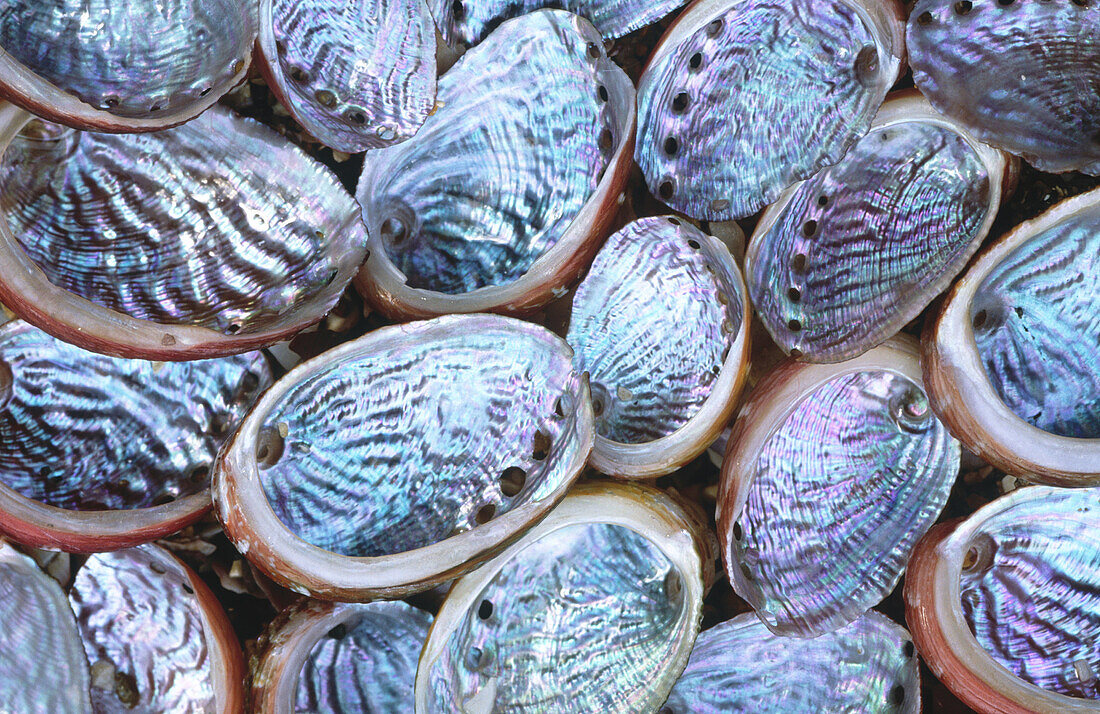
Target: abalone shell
x,y
1041,101
867,667
123,66
219,224
82,430
847,258
825,495
507,174
358,74
743,98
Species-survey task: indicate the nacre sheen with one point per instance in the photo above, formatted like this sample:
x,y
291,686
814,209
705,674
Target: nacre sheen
x,y
498,173
868,667
83,430
358,74
836,499
652,324
219,223
755,96
435,431
1036,320
580,619
367,664
862,247
1041,102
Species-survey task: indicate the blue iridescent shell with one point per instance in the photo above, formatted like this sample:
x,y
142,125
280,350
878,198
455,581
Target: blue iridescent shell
x,y
830,484
867,667
406,454
220,232
357,75
135,65
498,200
743,98
1041,101
847,258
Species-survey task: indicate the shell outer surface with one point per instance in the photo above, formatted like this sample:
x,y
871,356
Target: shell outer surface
x,y
1042,103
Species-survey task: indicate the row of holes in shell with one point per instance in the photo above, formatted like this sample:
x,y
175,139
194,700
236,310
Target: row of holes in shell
x,y
110,101
964,7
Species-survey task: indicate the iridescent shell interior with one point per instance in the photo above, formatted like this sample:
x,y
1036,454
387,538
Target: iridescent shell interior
x,y
469,22
140,620
582,619
367,664
1035,325
868,667
135,58
497,174
1041,102
652,324
754,97
839,495
85,431
403,443
358,75
1029,587
863,246
41,657
219,223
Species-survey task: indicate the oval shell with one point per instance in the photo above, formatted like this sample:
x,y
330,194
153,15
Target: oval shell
x,y
208,239
867,667
1041,102
1004,605
844,260
500,200
357,75
134,65
1011,359
660,325
742,98
396,460
832,475
594,609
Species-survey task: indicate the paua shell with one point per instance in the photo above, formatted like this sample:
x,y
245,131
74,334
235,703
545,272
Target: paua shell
x,y
500,198
660,325
594,610
87,432
406,455
844,260
1041,102
358,74
206,239
1005,606
829,484
744,97
134,65
156,639
868,667
40,654
1011,360
341,658
470,21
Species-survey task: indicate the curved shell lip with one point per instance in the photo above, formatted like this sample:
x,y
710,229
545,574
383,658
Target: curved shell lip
x,y
26,291
252,525
40,525
885,18
900,108
670,452
384,285
21,86
642,509
768,406
963,396
267,60
932,596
